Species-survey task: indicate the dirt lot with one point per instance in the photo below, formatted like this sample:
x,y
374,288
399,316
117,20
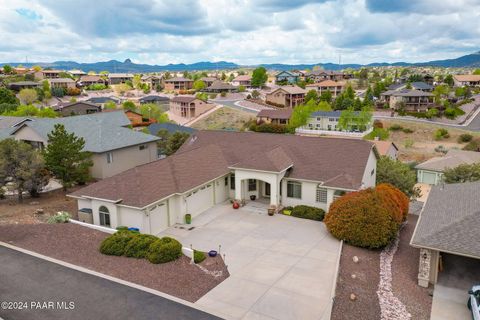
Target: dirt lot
x,y
79,245
224,119
404,270
424,144
12,211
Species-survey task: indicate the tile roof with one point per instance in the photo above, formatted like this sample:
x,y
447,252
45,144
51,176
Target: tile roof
x,y
383,146
244,77
467,77
452,159
275,113
9,122
447,225
207,155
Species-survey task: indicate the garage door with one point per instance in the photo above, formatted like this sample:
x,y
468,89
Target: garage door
x,y
429,177
200,200
158,219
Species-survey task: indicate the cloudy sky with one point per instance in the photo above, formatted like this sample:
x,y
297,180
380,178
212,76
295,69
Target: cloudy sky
x,y
241,31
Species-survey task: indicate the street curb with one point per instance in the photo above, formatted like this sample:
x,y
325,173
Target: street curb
x,y
110,278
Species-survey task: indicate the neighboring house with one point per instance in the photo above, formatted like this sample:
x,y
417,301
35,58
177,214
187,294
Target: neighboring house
x,y
448,224
77,73
47,74
114,147
188,106
103,100
243,80
21,71
327,121
117,78
286,97
274,116
411,99
161,101
470,80
138,120
220,86
386,148
422,86
154,128
66,83
17,86
431,171
286,77
214,166
77,108
178,83
335,87
208,81
321,75
152,80
88,80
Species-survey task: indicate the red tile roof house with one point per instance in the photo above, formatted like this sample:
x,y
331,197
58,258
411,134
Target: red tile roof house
x,y
188,107
214,166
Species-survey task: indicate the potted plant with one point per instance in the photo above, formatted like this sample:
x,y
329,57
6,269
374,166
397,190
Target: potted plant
x,y
188,218
271,210
235,205
253,197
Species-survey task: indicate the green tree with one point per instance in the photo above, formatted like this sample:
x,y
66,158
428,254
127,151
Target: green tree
x,y
175,141
28,96
23,166
153,111
137,82
110,105
255,94
398,174
32,111
65,158
449,80
311,95
476,72
462,173
199,85
324,106
441,92
347,119
7,69
259,77
129,105
7,96
326,96
6,108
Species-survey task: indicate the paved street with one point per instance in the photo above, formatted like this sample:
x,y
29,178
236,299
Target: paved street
x,y
24,278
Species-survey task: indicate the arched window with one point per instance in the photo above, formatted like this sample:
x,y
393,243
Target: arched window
x,y
104,216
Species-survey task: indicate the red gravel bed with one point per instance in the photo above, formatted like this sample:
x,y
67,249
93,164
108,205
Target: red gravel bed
x,y
79,245
405,272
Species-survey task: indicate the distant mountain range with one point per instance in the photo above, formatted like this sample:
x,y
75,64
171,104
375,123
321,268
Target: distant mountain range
x,y
471,60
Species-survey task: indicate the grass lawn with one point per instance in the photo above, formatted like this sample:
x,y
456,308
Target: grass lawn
x,y
420,144
223,119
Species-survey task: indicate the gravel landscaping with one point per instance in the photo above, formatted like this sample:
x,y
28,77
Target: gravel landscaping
x,y
79,245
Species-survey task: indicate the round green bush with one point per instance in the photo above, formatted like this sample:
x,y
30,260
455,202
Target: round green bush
x,y
164,250
465,137
139,245
198,256
307,212
115,244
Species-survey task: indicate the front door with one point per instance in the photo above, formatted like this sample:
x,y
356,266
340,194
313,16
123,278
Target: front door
x,y
267,189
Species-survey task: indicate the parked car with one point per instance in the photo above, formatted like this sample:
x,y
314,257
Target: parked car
x,y
473,302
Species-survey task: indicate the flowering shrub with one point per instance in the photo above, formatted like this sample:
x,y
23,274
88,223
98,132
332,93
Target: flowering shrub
x,y
60,217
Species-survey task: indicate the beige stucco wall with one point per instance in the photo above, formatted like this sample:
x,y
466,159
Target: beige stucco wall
x,y
369,179
277,97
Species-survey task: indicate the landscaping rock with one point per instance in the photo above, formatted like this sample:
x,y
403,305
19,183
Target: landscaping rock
x,y
354,276
39,211
34,203
353,297
355,259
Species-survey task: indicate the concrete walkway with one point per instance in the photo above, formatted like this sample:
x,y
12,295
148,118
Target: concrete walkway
x,y
280,267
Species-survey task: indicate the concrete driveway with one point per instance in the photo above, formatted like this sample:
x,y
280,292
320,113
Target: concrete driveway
x,y
280,267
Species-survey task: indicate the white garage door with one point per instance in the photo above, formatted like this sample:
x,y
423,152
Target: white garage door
x,y
428,177
158,219
200,200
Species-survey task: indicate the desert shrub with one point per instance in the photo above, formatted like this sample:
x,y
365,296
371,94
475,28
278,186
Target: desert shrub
x,y
73,91
441,149
441,134
382,134
198,256
362,219
307,212
407,130
453,112
58,92
408,143
431,113
139,245
270,127
397,199
473,145
223,94
97,86
418,114
116,244
465,137
60,217
377,124
395,127
164,250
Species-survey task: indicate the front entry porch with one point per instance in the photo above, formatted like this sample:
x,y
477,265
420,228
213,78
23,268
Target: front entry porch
x,y
264,188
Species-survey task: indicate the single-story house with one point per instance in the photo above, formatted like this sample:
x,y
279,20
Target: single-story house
x,y
214,166
47,74
274,116
208,80
422,86
153,81
411,99
387,148
88,80
242,80
160,100
17,86
286,77
321,75
103,100
138,120
219,86
188,106
470,80
117,78
448,224
114,147
77,108
66,83
77,73
335,87
431,171
154,128
178,83
286,97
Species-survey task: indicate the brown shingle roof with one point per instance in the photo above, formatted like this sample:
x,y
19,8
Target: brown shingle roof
x,y
184,99
275,160
383,146
283,114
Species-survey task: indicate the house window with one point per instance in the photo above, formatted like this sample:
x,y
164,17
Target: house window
x,y
294,190
142,147
321,195
252,185
109,157
232,182
338,193
226,181
373,172
104,216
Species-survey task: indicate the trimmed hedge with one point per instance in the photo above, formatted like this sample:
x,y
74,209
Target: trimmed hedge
x,y
198,256
139,245
365,218
115,244
164,250
396,200
307,212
